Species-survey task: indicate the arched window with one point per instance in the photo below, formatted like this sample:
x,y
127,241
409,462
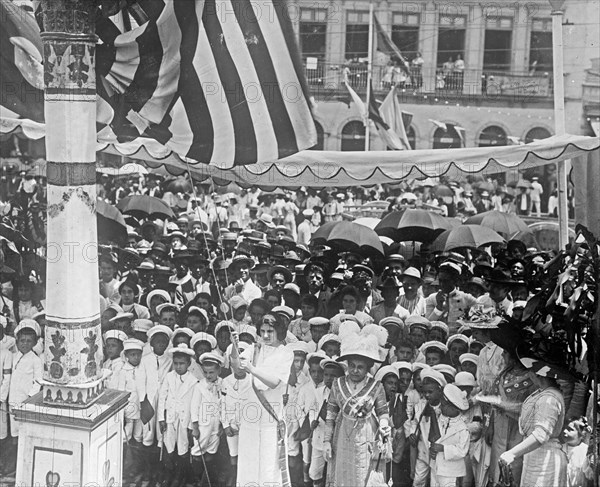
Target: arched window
x,y
412,138
320,137
537,133
446,139
492,136
353,136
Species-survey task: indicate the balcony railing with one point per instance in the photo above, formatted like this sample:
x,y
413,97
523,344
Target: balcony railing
x,y
326,76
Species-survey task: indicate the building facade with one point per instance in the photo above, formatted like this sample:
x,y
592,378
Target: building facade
x,y
482,66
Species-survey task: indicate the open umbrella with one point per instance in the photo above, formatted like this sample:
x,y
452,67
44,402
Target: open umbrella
x,y
111,223
179,185
349,236
413,225
484,186
443,190
368,221
471,236
142,206
504,223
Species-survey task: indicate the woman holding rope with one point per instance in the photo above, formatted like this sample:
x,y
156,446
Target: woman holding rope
x,y
265,368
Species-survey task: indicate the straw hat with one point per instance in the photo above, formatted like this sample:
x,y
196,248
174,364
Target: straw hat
x,y
360,346
481,317
457,397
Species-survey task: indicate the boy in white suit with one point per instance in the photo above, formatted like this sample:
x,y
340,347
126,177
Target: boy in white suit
x,y
424,427
27,370
156,365
331,371
5,374
173,412
205,418
448,453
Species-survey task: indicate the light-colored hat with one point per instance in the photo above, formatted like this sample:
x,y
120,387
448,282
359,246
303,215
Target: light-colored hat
x,y
481,317
182,348
445,369
142,325
204,337
224,324
133,344
318,355
356,345
115,334
458,337
434,344
412,272
403,366
464,379
283,310
157,292
28,323
440,325
457,397
211,358
318,321
159,329
167,306
451,266
300,347
468,357
196,310
290,286
385,370
333,362
391,321
267,220
237,302
249,330
418,322
416,366
434,375
122,315
183,331
308,212
328,337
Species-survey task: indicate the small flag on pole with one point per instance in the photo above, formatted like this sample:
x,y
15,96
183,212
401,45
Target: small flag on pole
x,y
386,132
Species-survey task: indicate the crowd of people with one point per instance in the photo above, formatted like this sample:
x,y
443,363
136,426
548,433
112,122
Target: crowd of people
x,y
254,357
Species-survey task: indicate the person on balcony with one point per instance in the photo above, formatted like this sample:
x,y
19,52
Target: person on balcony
x,y
417,70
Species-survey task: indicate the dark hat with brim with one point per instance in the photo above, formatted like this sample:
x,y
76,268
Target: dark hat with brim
x,y
501,276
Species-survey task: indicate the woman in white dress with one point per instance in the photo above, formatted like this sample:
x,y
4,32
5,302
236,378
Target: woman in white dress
x,y
265,367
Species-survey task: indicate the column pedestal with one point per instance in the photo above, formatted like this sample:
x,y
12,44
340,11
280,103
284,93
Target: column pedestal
x,y
61,447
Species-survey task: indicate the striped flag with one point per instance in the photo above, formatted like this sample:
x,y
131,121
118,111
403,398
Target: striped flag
x,y
385,122
21,70
386,45
216,81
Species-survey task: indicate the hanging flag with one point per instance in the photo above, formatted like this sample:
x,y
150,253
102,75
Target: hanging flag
x,y
21,70
397,120
440,125
215,81
460,131
386,132
386,45
357,100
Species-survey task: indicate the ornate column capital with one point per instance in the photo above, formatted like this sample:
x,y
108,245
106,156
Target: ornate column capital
x,y
71,17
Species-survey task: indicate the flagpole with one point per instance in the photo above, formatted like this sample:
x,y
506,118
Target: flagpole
x,y
369,78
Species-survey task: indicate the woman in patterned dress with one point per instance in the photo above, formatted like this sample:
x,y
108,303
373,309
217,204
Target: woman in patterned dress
x,y
357,416
541,422
513,386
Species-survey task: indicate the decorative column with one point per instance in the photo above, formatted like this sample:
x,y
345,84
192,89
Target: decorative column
x,y
73,351
71,432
